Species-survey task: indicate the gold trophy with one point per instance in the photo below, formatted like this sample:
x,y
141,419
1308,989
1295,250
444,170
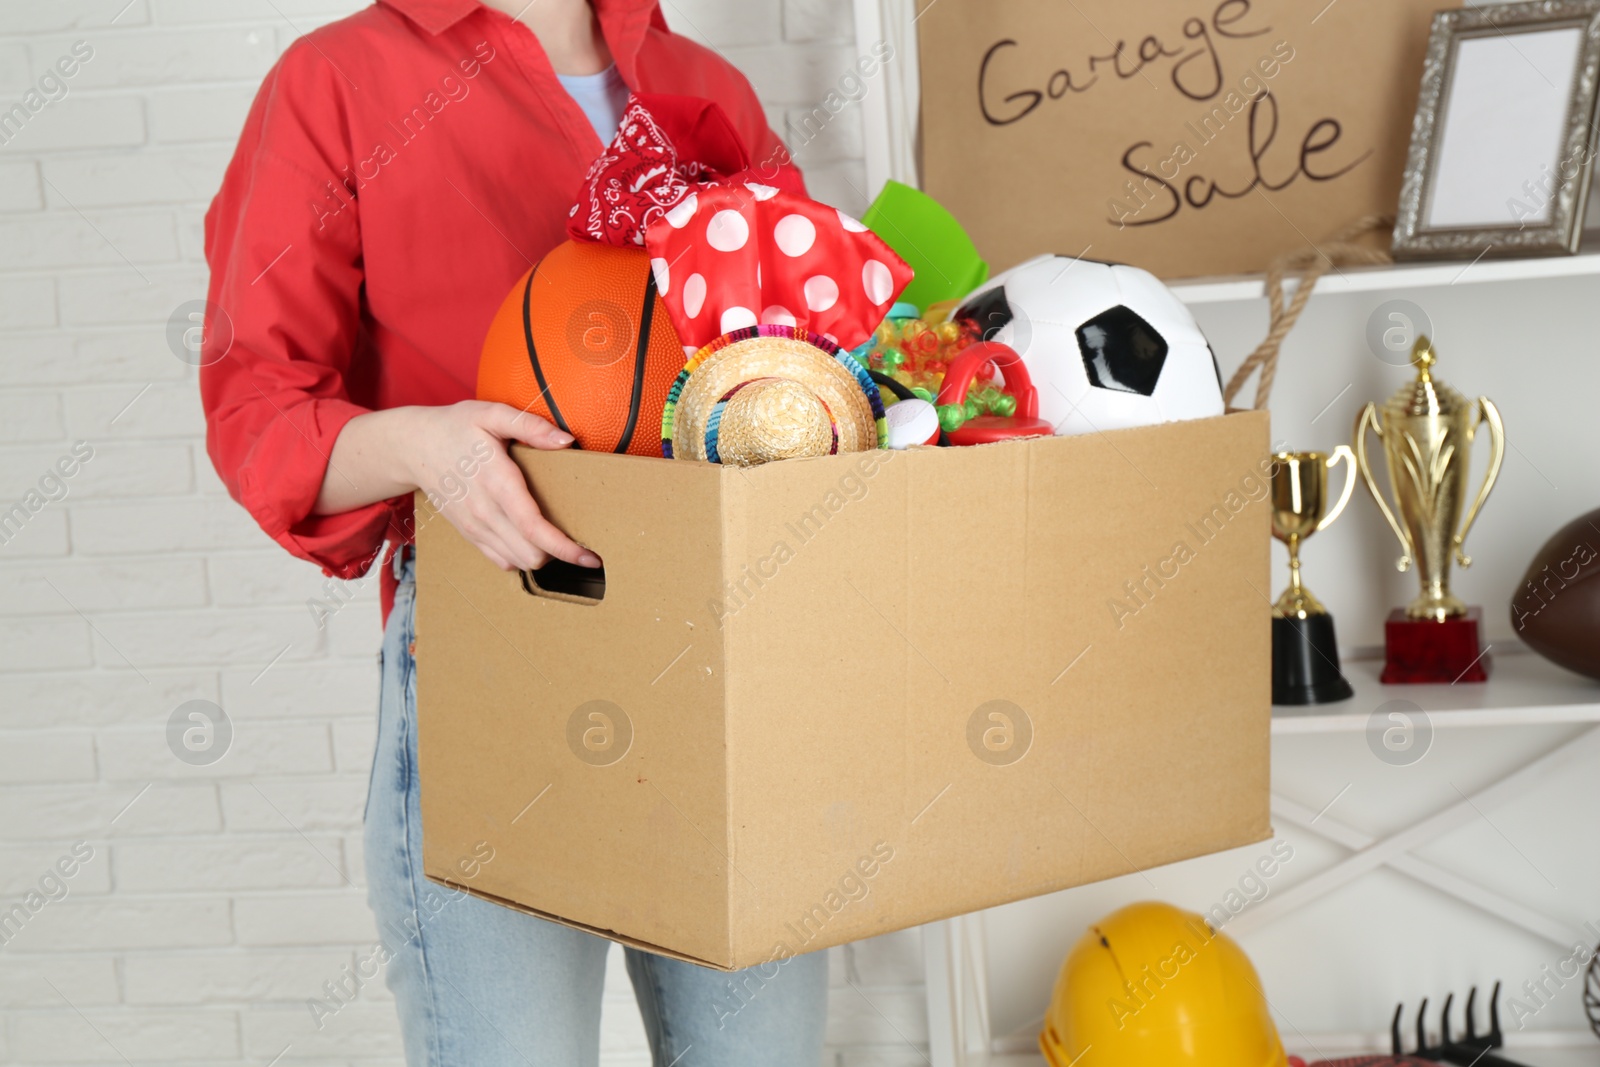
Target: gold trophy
x,y
1427,429
1305,654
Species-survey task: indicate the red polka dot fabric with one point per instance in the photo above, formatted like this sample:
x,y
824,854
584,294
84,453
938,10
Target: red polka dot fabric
x,y
740,254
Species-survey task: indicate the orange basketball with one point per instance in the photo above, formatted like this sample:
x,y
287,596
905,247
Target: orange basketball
x,y
584,341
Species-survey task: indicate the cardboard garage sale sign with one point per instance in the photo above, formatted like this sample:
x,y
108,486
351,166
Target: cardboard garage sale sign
x,y
1188,137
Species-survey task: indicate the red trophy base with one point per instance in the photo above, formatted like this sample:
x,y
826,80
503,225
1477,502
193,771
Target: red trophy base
x,y
1423,651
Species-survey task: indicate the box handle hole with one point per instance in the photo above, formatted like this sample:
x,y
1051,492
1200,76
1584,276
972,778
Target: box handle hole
x,y
560,580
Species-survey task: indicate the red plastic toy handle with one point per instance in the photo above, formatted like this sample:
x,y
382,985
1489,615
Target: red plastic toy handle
x,y
964,368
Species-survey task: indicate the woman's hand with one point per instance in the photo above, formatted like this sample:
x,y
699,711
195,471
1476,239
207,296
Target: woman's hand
x,y
457,455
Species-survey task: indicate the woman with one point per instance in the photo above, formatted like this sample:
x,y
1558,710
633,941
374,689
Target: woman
x,y
399,170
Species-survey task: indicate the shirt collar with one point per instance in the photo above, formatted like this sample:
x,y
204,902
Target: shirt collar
x,y
435,16
624,23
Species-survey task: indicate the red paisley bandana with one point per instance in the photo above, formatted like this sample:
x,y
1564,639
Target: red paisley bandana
x,y
665,146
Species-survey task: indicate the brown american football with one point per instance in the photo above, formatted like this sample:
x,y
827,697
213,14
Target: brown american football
x,y
1556,609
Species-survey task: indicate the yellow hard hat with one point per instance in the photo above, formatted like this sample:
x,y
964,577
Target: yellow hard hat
x,y
1152,985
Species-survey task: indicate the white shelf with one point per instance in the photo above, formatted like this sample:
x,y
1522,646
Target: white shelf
x,y
1398,276
1522,690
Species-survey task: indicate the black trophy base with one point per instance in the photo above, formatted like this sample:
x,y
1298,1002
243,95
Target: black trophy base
x,y
1305,662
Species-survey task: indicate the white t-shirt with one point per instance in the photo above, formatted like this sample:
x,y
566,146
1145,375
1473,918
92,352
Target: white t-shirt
x,y
602,97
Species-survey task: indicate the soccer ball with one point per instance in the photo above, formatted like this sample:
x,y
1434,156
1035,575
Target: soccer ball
x,y
1108,346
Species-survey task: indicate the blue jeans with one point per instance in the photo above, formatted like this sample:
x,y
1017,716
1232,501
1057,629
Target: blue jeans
x,y
479,985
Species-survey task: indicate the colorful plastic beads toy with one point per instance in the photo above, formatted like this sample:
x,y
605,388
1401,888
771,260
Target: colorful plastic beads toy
x,y
916,353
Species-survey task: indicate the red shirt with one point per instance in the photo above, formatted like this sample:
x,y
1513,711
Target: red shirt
x,y
399,170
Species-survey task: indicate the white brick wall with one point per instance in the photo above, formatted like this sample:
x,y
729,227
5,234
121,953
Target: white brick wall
x,y
218,899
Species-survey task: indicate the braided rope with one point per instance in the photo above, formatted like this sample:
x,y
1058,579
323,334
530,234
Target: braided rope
x,y
1339,250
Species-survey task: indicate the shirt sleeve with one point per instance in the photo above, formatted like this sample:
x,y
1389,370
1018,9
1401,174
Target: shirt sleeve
x,y
283,321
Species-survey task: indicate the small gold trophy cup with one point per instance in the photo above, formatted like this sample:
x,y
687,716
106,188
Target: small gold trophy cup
x,y
1305,653
1427,429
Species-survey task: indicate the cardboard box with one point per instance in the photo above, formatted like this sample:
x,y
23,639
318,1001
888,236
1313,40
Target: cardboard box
x,y
825,699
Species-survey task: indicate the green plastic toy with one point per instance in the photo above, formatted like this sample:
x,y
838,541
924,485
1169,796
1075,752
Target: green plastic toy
x,y
930,239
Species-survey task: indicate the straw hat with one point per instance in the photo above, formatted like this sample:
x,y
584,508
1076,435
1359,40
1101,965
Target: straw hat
x,y
764,393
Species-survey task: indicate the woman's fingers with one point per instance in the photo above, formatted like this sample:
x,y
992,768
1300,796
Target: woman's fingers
x,y
483,539
518,550
512,424
495,511
552,541
493,557
537,531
